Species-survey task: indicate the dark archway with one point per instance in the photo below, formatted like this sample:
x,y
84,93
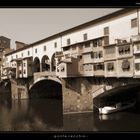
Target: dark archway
x,y
53,63
45,63
36,65
46,89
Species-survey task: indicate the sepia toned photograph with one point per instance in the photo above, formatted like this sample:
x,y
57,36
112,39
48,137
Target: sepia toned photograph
x,y
69,70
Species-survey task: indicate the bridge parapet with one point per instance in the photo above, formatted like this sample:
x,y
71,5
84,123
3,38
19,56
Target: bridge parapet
x,y
43,74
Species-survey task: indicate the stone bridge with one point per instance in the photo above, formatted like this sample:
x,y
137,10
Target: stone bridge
x,y
78,93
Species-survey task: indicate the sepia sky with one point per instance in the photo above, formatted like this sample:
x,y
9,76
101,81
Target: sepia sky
x,y
29,25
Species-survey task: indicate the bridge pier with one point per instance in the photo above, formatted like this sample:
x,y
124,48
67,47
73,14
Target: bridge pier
x,y
77,94
19,88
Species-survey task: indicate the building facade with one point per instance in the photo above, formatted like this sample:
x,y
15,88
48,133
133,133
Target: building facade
x,y
105,47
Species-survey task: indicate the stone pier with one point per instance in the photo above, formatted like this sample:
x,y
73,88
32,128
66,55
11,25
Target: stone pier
x,y
19,88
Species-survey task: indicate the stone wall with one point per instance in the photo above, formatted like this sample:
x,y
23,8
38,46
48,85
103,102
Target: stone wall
x,y
19,88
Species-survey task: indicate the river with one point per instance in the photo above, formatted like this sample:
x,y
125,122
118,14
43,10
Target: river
x,y
46,115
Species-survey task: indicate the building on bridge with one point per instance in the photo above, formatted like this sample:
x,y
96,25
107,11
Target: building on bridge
x,y
106,47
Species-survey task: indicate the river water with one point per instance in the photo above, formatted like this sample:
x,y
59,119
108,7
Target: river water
x,y
46,115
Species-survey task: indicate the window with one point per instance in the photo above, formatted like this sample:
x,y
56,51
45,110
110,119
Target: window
x,y
100,54
106,31
138,47
62,69
134,22
30,65
24,64
44,48
85,36
87,44
68,41
106,41
98,67
57,69
124,49
24,71
110,66
55,45
100,42
137,66
0,59
22,54
66,48
80,57
92,55
95,43
28,53
125,65
35,50
16,56
19,71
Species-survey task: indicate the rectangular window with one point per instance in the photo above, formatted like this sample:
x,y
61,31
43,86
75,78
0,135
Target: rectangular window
x,y
55,45
100,55
35,50
16,56
100,42
134,22
24,71
138,47
0,59
28,53
68,41
137,66
44,48
21,54
106,31
11,57
106,41
24,64
95,43
87,44
85,36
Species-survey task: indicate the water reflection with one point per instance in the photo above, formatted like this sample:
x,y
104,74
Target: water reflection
x,y
31,115
46,115
128,120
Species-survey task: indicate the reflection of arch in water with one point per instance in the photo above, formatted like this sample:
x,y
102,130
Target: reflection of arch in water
x,y
53,63
36,65
45,63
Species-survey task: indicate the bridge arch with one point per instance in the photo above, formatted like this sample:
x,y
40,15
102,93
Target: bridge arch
x,y
117,94
36,65
46,87
45,63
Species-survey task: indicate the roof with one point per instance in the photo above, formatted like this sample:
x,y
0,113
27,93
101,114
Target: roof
x,y
95,21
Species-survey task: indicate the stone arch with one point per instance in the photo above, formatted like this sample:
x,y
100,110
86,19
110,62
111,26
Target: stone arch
x,y
45,87
36,65
53,63
45,63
